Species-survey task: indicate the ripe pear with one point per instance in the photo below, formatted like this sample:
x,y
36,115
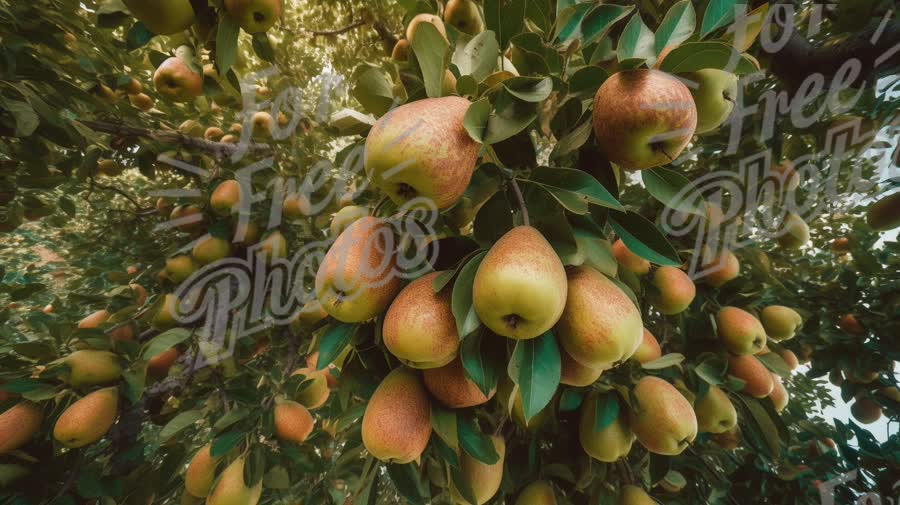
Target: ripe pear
x,y
18,425
780,322
273,247
293,423
210,249
450,386
87,420
757,378
88,367
226,198
740,332
609,444
163,17
141,101
662,419
140,293
179,268
201,472
296,206
714,96
628,260
715,412
851,325
397,423
165,317
537,493
316,393
721,268
885,213
421,150
191,213
246,234
794,232
176,81
254,16
464,16
789,358
520,287
95,319
600,326
865,410
574,373
358,277
648,350
643,118
779,394
213,133
424,18
633,495
159,365
675,291
232,490
419,327
345,217
483,479
263,124
400,51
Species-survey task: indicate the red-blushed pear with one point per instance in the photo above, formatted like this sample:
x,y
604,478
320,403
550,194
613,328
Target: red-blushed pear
x,y
537,493
345,217
210,249
608,444
176,81
200,474
95,319
674,290
628,260
721,268
757,378
520,287
574,373
140,293
464,16
194,220
141,101
397,423
714,96
643,118
600,326
661,417
419,328
87,420
293,422
851,325
790,359
254,16
159,365
133,87
715,412
740,331
780,322
450,386
18,425
163,17
865,410
296,206
231,489
424,18
648,350
633,495
885,213
358,277
401,50
273,246
226,198
245,233
422,150
483,479
793,233
779,394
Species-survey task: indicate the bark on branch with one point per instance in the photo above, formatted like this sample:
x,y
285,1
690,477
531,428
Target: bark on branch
x,y
218,149
338,31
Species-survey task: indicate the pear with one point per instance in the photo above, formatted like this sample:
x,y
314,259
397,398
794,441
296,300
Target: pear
x,y
254,16
511,400
450,386
296,206
400,51
714,96
195,220
574,373
648,350
232,490
720,269
633,495
885,213
740,332
358,277
88,367
141,101
210,249
424,18
779,394
397,423
715,412
159,365
165,318
674,291
662,419
757,378
851,325
419,327
87,420
483,479
316,393
520,287
421,150
176,81
537,493
610,443
794,232
790,359
95,319
464,16
201,471
293,423
226,198
163,17
628,260
600,325
273,247
179,268
780,322
345,217
18,425
212,134
865,410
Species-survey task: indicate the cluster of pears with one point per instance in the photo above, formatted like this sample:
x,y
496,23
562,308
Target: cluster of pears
x,y
463,15
169,17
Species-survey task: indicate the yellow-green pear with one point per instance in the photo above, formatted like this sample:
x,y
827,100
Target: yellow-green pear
x,y
424,18
633,495
345,217
648,350
740,331
226,198
779,394
397,423
511,399
163,17
628,260
254,16
87,420
715,412
674,290
201,472
520,287
794,232
232,490
600,325
421,150
316,393
89,367
165,317
179,268
662,418
574,373
780,322
450,386
18,425
483,479
714,95
273,247
358,276
210,249
537,493
609,444
419,327
177,82
464,16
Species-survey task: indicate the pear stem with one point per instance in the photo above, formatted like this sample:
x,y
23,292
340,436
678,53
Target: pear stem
x,y
521,200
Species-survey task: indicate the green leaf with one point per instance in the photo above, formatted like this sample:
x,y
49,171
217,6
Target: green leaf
x,y
67,205
572,141
529,89
430,48
673,190
225,442
466,85
677,26
372,89
587,80
718,14
506,18
666,361
510,116
711,373
596,251
475,443
226,43
406,478
636,40
763,423
138,36
600,21
443,421
262,46
179,423
570,400
165,341
493,219
535,368
479,56
775,363
26,119
230,418
569,185
476,119
643,238
606,410
483,358
334,340
463,310
462,486
569,21
693,56
40,392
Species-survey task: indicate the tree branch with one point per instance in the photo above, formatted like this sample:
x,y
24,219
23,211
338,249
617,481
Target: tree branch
x,y
338,31
388,39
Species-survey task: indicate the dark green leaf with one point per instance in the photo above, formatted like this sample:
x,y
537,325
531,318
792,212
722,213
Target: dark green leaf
x,y
478,58
138,36
505,17
335,339
165,341
535,368
476,118
677,26
483,358
226,44
693,56
225,442
430,48
179,423
599,21
569,186
406,480
636,40
529,89
443,421
606,410
719,13
673,190
510,116
643,238
463,310
263,47
475,443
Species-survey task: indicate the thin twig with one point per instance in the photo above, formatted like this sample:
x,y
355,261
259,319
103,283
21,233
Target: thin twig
x,y
521,200
337,31
219,149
